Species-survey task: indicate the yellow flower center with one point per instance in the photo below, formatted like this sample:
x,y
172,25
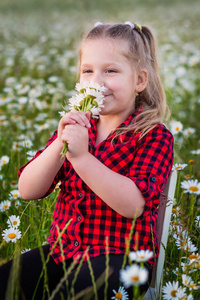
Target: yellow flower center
x,y
12,235
174,211
177,128
4,161
14,222
193,188
43,127
173,293
142,256
193,286
193,256
15,195
5,206
135,278
198,266
118,296
178,168
191,161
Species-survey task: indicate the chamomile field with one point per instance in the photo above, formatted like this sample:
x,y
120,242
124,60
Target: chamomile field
x,y
39,43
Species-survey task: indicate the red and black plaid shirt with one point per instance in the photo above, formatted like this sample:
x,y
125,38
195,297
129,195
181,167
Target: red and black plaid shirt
x,y
147,162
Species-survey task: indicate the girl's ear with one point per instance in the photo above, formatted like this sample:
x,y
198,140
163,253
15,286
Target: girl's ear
x,y
142,80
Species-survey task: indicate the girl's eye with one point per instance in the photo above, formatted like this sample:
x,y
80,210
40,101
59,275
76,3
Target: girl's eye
x,y
87,71
111,71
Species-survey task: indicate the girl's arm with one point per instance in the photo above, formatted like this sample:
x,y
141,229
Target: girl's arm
x,y
37,177
118,191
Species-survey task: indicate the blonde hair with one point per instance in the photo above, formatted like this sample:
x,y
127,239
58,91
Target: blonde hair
x,y
142,53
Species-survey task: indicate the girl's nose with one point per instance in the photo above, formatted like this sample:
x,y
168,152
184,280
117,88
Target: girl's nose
x,y
98,78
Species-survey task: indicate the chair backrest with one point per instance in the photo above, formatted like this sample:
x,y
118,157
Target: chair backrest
x,y
162,228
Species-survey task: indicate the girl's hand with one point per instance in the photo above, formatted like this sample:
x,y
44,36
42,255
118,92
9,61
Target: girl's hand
x,y
77,139
74,117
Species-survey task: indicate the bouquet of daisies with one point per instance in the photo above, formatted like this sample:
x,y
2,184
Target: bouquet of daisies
x,y
89,98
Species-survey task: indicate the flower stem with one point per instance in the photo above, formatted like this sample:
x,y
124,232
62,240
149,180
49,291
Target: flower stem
x,y
64,150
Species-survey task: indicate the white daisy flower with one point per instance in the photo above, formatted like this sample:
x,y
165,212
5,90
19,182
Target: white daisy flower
x,y
58,185
30,154
39,128
4,160
181,293
75,101
141,255
53,79
170,291
93,85
186,280
176,127
62,113
120,294
188,297
10,81
185,244
191,186
14,194
133,275
176,271
195,151
179,167
193,286
11,235
90,98
13,221
17,203
95,112
34,93
4,205
23,100
188,131
193,258
94,93
26,143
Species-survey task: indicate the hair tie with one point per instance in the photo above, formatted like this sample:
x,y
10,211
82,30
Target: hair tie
x,y
130,24
98,24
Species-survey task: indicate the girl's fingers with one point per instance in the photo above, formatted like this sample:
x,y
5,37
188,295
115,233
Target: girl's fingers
x,y
78,117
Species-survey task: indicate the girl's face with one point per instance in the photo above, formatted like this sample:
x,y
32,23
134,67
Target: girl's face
x,y
105,61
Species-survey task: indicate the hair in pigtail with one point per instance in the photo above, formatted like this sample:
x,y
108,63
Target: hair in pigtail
x,y
152,99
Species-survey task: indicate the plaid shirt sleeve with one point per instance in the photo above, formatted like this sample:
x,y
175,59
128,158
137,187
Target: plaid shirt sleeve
x,y
60,173
152,165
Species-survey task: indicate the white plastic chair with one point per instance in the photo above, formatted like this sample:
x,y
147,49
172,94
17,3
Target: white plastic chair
x,y
162,228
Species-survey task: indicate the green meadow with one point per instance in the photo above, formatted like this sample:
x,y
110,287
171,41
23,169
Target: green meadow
x,y
39,43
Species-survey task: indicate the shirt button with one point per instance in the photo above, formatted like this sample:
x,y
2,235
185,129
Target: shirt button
x,y
153,179
76,243
79,218
80,195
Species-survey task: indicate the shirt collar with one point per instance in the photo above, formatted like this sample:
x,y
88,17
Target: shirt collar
x,y
127,122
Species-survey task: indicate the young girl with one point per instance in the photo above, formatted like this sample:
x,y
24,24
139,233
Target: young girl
x,y
115,168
